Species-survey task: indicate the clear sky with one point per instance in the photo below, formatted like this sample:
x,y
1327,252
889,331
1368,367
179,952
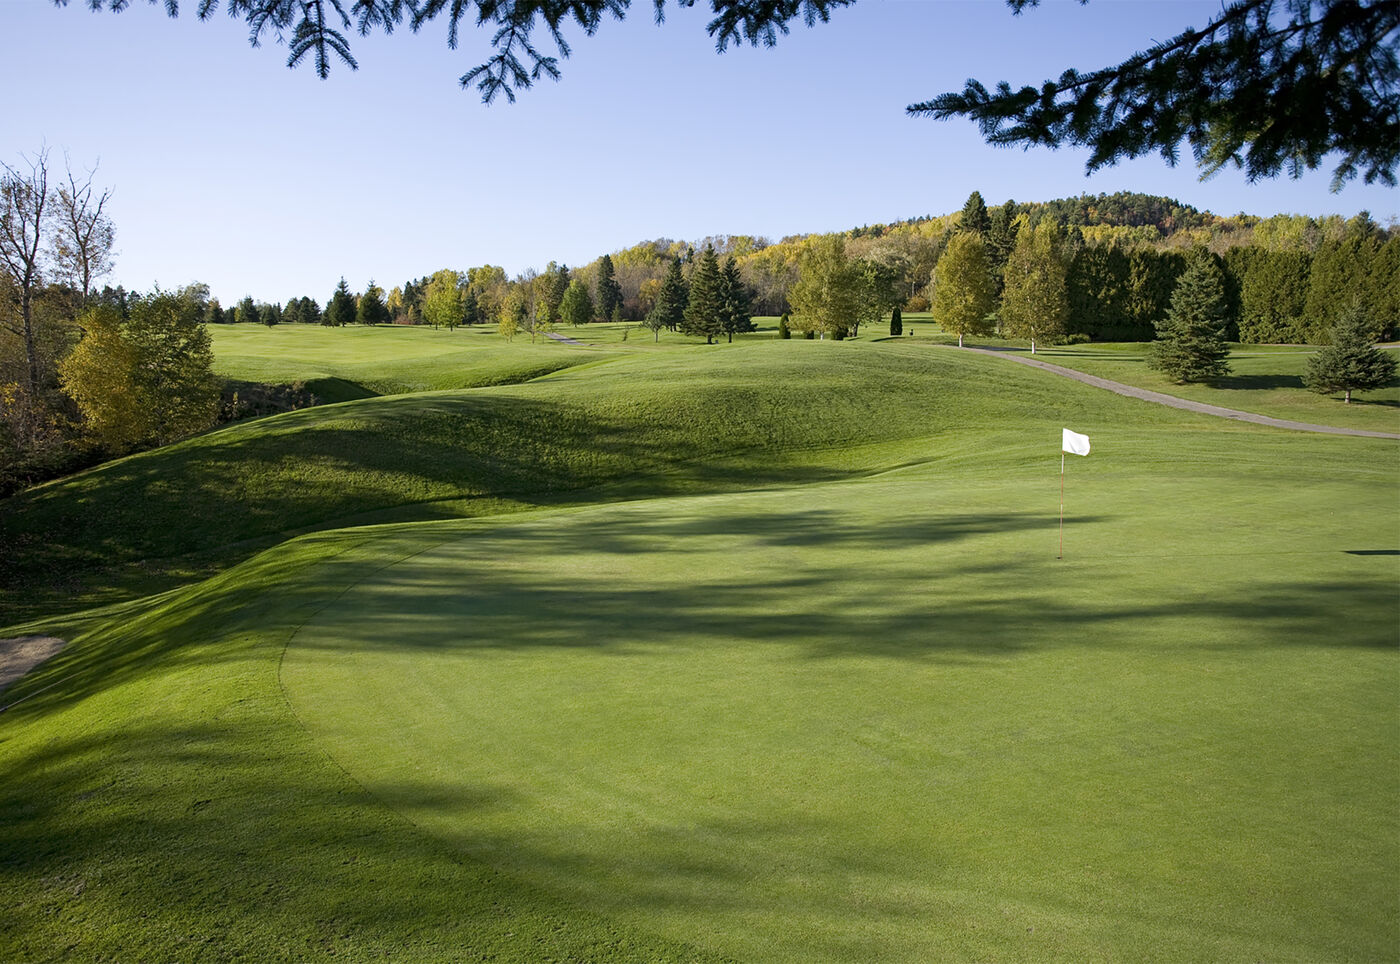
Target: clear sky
x,y
230,169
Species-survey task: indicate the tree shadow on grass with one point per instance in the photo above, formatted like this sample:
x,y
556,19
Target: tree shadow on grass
x,y
1257,382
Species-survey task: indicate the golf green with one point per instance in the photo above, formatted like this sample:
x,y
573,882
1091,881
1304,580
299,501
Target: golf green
x,y
880,720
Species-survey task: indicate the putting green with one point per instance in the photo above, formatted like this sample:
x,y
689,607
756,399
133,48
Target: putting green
x,y
880,721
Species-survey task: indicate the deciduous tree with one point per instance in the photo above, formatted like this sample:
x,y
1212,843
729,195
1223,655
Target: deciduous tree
x,y
147,379
1035,302
962,287
576,308
827,294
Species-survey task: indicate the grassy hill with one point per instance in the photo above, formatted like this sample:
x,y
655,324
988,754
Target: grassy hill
x,y
759,652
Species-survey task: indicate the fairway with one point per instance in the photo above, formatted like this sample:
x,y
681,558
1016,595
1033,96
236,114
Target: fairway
x,y
880,720
758,652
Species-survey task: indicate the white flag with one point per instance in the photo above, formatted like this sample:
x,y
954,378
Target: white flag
x,y
1075,443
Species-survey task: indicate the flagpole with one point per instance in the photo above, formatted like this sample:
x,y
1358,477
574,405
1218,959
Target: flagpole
x,y
1062,505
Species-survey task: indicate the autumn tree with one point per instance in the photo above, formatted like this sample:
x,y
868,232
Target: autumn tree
x,y
1035,302
514,313
1351,363
1190,344
962,287
147,379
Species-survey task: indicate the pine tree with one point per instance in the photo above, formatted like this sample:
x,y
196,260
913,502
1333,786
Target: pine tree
x,y
1035,302
962,289
896,323
371,309
1191,339
340,310
471,309
1351,363
737,312
669,309
248,312
974,215
704,309
609,291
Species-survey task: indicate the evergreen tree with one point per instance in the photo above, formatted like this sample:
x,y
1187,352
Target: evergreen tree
x,y
736,315
784,327
1191,339
671,300
1351,363
1097,292
609,291
213,313
704,311
974,215
248,312
371,309
896,323
1273,296
962,287
1152,278
1003,227
340,310
471,309
1035,302
576,308
310,310
1340,272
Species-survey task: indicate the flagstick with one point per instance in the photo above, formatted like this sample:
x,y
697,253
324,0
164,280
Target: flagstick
x,y
1062,505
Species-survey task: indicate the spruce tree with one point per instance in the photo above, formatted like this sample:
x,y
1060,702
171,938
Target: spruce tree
x,y
1191,339
609,291
340,310
371,309
736,315
1351,363
704,310
974,215
248,312
671,300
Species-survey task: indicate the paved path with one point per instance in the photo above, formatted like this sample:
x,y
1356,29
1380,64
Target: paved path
x,y
1174,402
562,339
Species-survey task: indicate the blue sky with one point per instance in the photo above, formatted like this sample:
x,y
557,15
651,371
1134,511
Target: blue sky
x,y
230,169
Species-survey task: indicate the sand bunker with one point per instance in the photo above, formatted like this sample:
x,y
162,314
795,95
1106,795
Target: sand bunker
x,y
22,653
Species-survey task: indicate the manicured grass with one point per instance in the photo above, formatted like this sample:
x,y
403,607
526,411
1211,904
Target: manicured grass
x,y
881,721
771,660
339,364
700,419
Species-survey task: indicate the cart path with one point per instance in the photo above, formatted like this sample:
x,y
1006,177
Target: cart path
x,y
1171,400
562,339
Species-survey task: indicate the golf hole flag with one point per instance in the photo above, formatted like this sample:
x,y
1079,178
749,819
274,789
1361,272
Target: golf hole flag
x,y
1074,443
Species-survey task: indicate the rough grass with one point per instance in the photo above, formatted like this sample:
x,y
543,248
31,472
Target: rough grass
x,y
1265,380
791,674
